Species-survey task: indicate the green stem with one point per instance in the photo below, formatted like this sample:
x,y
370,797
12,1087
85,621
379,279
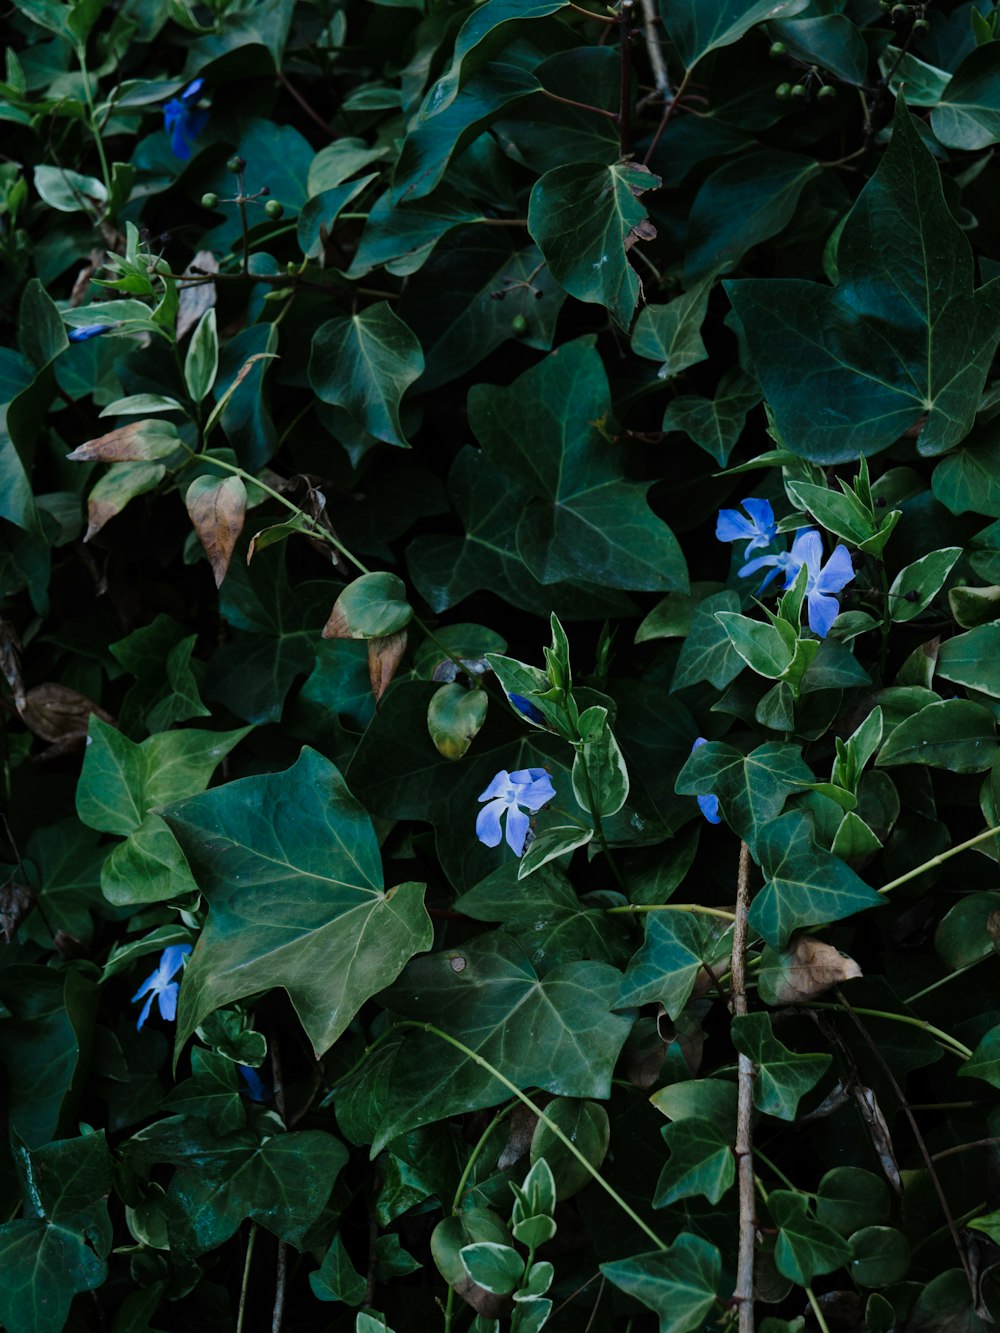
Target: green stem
x,y
598,826
950,1043
551,1125
810,1294
919,995
939,859
697,908
772,1166
251,1242
95,129
476,1154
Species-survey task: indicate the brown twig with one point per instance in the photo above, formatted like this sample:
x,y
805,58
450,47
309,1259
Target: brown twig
x,y
314,116
743,1293
668,111
281,1275
654,47
625,95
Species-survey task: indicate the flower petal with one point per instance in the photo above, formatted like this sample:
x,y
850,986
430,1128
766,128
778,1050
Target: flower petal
x,y
822,612
807,549
488,828
499,787
709,807
763,516
145,1013
168,1001
731,526
517,829
837,573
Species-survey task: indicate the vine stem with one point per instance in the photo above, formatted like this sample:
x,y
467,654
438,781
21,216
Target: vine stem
x,y
939,860
814,1304
251,1242
668,111
743,1293
950,1043
654,47
697,908
598,826
95,129
550,1124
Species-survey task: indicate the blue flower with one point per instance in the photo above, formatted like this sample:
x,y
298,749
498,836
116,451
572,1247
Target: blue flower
x,y
183,120
823,582
91,331
160,985
708,805
758,531
257,1089
526,707
508,792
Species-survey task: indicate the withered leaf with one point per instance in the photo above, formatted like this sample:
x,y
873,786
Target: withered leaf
x,y
217,507
198,295
16,901
10,660
139,442
520,1128
116,488
55,712
807,968
384,657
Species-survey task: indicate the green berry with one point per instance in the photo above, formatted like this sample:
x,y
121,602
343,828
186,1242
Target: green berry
x,y
778,49
235,164
783,92
519,326
827,93
922,25
800,93
899,13
273,208
209,199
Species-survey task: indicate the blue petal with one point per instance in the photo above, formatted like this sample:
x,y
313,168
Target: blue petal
x,y
731,526
526,707
258,1090
709,807
488,823
172,959
763,516
145,1013
168,1001
699,742
499,787
807,549
192,90
822,612
765,562
83,335
838,572
151,983
517,829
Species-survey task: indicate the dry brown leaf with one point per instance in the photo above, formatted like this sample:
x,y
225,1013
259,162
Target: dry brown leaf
x,y
644,1054
128,444
217,507
384,657
520,1129
16,901
878,1129
10,660
197,296
55,712
807,968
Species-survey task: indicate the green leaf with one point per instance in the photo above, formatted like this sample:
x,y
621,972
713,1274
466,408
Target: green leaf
x,y
966,934
806,1248
498,1268
365,363
744,202
906,268
60,1248
915,587
455,717
708,654
968,115
552,843
679,1284
953,734
583,217
580,519
556,1033
830,41
701,1162
696,27
972,659
969,479
201,364
715,424
849,1197
587,1127
806,885
752,789
148,867
69,192
984,1062
677,948
600,776
293,850
761,645
401,237
120,484
337,1279
371,607
879,1256
671,333
782,1076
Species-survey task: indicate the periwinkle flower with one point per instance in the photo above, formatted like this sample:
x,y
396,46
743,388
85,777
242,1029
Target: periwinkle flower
x,y
91,331
823,582
257,1090
161,986
707,804
183,120
507,793
758,531
526,707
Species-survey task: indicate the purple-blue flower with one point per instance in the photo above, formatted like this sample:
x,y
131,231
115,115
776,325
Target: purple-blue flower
x,y
506,794
91,331
708,804
823,582
257,1089
526,707
758,531
160,985
183,120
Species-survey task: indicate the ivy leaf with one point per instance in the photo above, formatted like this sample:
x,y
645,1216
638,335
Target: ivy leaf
x,y
902,339
806,885
752,789
59,1248
364,363
968,114
582,519
290,867
701,1162
337,1279
679,1284
783,1076
715,424
556,1033
805,1248
671,333
584,217
678,947
696,27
